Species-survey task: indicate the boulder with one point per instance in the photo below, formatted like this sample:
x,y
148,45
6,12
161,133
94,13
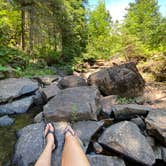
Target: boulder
x,y
128,111
18,106
126,139
71,81
31,143
139,122
101,160
51,90
78,103
6,121
107,103
85,133
12,88
123,80
156,125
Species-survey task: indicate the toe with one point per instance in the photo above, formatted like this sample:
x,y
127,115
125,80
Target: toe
x,y
46,129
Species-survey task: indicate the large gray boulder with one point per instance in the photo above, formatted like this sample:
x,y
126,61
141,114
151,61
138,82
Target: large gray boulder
x,y
18,106
156,125
31,144
128,111
126,139
71,81
12,88
101,160
123,80
79,103
86,129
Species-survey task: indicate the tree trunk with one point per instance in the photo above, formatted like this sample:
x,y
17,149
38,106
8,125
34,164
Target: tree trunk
x,y
23,29
30,31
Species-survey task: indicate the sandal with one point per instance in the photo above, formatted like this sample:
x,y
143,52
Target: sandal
x,y
55,138
70,130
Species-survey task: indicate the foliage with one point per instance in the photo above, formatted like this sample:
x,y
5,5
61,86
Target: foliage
x,y
124,100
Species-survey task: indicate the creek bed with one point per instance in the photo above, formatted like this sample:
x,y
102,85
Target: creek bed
x,y
8,135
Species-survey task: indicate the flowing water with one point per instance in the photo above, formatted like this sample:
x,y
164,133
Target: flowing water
x,y
8,135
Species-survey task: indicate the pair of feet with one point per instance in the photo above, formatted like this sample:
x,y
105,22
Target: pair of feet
x,y
50,131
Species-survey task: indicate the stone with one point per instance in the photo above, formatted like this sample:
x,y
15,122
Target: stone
x,y
156,125
128,111
51,90
71,81
85,133
139,122
18,106
74,104
122,80
125,138
31,143
6,121
97,147
39,98
101,160
15,87
48,79
107,103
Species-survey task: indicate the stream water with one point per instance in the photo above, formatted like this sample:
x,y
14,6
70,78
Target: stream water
x,y
8,135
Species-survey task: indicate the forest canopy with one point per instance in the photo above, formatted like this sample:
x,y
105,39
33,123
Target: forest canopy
x,y
61,32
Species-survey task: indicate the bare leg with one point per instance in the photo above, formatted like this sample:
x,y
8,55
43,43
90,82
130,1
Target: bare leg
x,y
73,154
45,158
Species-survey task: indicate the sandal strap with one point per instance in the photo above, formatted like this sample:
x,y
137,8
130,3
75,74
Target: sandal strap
x,y
67,129
50,132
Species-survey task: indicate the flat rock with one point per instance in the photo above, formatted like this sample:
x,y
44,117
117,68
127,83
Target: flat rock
x,y
15,87
71,81
6,121
51,90
18,106
126,139
101,160
30,144
85,133
123,80
128,111
156,125
107,103
79,103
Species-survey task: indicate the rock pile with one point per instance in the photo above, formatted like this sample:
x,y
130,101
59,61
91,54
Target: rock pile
x,y
117,134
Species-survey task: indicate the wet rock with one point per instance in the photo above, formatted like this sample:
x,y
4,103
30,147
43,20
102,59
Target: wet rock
x,y
79,103
86,129
71,81
51,90
101,160
12,88
128,111
156,125
31,144
18,106
97,147
6,121
126,139
123,80
107,103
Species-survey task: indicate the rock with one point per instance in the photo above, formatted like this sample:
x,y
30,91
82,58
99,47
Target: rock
x,y
156,125
123,80
12,88
31,144
139,122
97,147
126,139
85,133
163,152
101,160
107,103
48,79
6,121
128,111
39,98
71,81
79,103
51,90
18,106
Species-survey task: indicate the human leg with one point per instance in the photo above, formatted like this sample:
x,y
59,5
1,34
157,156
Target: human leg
x,y
73,154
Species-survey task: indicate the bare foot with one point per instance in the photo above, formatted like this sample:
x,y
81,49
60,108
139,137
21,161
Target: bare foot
x,y
49,136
